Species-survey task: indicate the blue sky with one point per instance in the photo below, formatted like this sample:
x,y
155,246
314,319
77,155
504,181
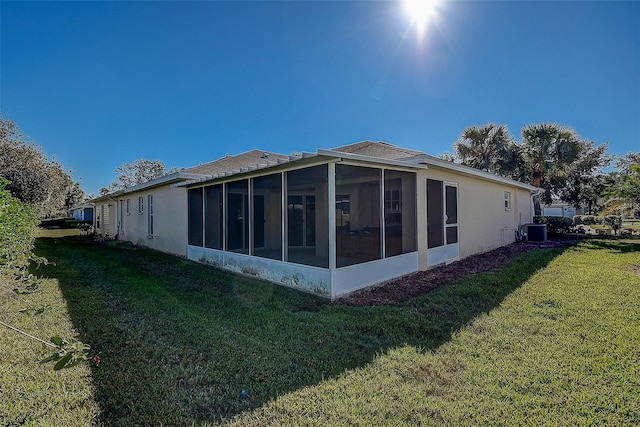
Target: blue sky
x,y
100,83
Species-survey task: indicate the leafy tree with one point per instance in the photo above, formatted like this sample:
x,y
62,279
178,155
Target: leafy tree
x,y
42,184
629,186
490,148
625,162
138,172
585,181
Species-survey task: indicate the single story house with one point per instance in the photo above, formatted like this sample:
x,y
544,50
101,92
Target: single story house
x,y
82,212
329,222
562,209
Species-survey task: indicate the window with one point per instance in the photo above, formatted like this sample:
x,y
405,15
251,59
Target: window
x,y
343,209
507,200
392,201
140,205
359,239
150,215
194,218
399,212
128,206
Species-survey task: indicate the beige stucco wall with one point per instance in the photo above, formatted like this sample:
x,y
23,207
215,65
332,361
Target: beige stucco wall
x,y
484,223
170,220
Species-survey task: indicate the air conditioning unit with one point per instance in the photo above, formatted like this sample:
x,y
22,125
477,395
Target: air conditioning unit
x,y
534,232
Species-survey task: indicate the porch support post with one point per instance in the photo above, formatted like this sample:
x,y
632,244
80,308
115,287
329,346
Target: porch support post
x,y
383,249
332,226
283,195
250,216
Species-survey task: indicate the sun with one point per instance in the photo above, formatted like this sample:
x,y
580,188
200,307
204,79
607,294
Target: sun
x,y
421,11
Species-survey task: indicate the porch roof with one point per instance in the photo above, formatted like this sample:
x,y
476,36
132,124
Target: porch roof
x,y
319,155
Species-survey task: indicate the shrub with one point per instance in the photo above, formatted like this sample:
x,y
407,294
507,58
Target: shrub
x,y
17,233
73,223
614,221
556,225
586,220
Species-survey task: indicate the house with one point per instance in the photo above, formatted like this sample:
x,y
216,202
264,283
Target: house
x,y
82,212
328,222
562,209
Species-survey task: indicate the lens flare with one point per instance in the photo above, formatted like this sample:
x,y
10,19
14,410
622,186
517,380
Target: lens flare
x,y
421,12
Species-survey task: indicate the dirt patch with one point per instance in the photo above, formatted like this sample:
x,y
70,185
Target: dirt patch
x,y
400,290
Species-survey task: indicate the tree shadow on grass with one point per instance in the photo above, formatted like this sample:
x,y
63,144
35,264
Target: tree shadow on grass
x,y
184,343
617,245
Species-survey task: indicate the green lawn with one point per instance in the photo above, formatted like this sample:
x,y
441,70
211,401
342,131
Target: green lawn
x,y
551,338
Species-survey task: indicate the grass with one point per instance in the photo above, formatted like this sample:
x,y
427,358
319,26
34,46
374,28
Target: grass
x,y
551,338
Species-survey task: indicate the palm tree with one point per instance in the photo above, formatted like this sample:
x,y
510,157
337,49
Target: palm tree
x,y
548,150
490,148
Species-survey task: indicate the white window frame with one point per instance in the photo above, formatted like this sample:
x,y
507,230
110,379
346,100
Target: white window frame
x,y
140,205
128,206
507,200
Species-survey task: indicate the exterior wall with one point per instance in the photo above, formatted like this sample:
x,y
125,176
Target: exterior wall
x,y
304,277
484,222
353,277
169,219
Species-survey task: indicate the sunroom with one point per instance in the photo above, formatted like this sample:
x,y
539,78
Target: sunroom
x,y
327,223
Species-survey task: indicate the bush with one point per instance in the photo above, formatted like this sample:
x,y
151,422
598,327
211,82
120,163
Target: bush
x,y
556,225
586,220
73,223
613,221
17,233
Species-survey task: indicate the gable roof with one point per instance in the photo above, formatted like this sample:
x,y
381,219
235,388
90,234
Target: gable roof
x,y
237,162
379,149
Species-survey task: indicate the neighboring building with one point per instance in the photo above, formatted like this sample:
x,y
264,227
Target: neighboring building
x,y
82,212
329,222
562,209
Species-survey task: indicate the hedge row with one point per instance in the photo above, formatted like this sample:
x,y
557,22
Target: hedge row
x,y
557,225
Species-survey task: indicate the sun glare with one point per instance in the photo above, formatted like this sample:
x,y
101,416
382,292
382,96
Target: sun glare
x,y
421,11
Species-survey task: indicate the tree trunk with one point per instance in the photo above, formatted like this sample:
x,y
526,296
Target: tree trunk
x,y
537,208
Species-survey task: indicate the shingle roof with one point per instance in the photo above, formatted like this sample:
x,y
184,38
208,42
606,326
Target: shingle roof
x,y
237,162
382,150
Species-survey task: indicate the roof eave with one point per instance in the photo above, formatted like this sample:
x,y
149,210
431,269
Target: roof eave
x,y
467,170
371,159
157,182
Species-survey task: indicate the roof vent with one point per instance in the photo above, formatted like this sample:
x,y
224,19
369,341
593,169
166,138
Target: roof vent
x,y
264,156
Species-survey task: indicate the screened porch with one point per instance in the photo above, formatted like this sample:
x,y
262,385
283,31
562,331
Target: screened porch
x,y
330,227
